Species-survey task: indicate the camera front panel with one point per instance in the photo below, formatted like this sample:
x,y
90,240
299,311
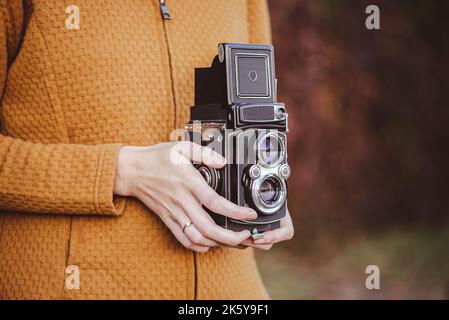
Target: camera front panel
x,y
258,178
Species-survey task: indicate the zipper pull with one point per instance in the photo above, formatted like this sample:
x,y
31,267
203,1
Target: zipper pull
x,y
164,10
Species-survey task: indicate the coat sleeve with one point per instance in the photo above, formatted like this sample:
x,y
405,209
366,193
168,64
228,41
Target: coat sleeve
x,y
49,178
259,22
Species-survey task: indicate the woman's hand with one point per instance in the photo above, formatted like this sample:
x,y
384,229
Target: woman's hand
x,y
285,232
164,179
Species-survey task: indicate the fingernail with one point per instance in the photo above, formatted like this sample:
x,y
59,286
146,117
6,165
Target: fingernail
x,y
259,241
250,212
219,158
246,233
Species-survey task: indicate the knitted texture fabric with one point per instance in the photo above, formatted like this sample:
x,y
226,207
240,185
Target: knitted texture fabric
x,y
69,99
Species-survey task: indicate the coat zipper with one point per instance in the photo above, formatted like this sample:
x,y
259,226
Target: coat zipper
x,y
165,13
170,64
164,10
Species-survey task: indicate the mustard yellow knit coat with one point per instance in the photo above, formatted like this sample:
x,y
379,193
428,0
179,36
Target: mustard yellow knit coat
x,y
69,98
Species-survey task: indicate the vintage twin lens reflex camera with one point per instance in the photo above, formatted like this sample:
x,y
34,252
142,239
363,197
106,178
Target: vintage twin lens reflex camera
x,y
237,115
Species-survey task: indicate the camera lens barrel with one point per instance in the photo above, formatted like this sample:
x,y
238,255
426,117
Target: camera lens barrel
x,y
268,193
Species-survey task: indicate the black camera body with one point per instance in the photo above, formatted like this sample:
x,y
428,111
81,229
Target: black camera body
x,y
237,115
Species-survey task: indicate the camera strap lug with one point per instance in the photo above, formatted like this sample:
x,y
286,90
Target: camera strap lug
x,y
164,10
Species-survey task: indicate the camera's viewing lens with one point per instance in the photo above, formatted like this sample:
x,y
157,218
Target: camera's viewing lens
x,y
269,150
269,191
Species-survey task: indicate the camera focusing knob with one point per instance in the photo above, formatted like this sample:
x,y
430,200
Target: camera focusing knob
x,y
280,114
254,172
284,171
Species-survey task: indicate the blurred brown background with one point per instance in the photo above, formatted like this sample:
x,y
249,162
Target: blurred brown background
x,y
368,147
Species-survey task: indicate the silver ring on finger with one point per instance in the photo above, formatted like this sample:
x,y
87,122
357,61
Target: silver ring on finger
x,y
186,225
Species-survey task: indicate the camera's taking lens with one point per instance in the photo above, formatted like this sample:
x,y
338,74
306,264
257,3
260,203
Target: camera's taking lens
x,y
269,190
268,194
270,149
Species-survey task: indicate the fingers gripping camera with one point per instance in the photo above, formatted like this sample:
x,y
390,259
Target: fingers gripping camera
x,y
237,115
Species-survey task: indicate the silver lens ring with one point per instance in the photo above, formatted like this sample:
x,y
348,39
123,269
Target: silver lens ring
x,y
269,194
265,154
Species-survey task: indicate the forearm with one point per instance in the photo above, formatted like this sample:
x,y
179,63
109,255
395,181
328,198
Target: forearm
x,y
57,178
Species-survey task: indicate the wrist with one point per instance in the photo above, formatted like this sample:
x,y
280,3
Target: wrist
x,y
123,172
